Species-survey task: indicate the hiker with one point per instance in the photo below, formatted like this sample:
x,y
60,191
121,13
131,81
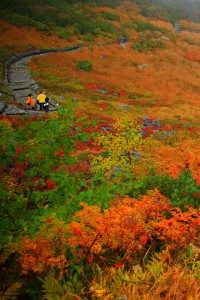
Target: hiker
x,y
30,101
46,104
41,100
123,40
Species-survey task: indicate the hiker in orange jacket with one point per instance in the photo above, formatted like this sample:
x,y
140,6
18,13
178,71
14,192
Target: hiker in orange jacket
x,y
41,100
30,101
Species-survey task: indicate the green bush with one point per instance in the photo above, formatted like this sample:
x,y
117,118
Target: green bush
x,y
149,11
146,45
64,34
109,3
189,41
23,21
85,26
84,65
17,20
88,37
40,177
40,26
181,192
105,26
110,16
143,26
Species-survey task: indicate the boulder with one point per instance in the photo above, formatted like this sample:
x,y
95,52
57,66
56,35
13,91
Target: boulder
x,y
166,38
142,66
34,112
124,106
14,110
3,106
102,91
20,85
106,129
146,119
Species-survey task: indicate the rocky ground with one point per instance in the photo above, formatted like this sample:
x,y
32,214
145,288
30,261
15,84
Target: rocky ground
x,y
21,83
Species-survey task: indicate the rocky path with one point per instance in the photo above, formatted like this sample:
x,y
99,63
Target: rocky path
x,y
21,82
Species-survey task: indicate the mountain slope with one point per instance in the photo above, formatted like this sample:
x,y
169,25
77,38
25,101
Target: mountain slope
x,y
75,16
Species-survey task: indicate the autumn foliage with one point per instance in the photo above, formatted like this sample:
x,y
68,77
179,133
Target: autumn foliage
x,y
100,199
129,227
133,226
121,237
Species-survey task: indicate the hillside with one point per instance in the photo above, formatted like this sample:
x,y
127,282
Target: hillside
x,y
173,10
63,20
68,18
45,15
100,199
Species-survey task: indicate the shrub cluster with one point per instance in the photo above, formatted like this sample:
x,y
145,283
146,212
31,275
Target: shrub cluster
x,y
148,44
63,225
57,16
84,65
110,16
143,26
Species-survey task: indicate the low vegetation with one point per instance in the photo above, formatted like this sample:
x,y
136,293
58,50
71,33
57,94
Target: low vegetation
x,y
100,199
84,65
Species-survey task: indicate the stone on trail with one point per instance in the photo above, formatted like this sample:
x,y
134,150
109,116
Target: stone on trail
x,y
13,110
3,106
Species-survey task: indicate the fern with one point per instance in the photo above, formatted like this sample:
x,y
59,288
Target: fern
x,y
52,289
11,291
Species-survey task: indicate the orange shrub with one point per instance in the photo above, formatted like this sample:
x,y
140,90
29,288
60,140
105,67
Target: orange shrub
x,y
40,255
174,159
131,228
122,234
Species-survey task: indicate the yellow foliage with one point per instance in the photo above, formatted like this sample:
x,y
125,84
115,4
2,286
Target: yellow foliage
x,y
119,146
5,126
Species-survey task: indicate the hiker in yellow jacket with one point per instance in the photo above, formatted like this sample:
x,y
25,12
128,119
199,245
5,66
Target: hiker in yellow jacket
x,y
41,100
